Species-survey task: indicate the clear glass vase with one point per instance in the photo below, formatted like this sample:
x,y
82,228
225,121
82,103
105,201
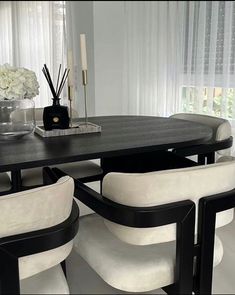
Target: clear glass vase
x,y
17,118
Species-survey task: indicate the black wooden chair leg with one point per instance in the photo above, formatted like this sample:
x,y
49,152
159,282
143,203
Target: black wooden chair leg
x,y
201,159
63,265
210,158
16,180
9,273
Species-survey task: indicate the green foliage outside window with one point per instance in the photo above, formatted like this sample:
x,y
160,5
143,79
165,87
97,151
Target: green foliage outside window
x,y
223,101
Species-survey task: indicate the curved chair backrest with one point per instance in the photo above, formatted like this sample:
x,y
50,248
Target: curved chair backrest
x,y
161,187
34,210
221,127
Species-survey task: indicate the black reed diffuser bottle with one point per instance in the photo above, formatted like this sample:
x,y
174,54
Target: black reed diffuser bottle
x,y
56,116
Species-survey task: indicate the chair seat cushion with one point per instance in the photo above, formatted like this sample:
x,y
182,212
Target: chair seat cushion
x,y
81,169
128,267
5,182
51,281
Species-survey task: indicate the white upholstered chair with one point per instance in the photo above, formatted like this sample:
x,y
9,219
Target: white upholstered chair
x,y
5,184
221,129
39,215
225,159
137,259
209,209
87,171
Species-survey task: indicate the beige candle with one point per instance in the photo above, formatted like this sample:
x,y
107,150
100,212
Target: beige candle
x,y
83,52
71,67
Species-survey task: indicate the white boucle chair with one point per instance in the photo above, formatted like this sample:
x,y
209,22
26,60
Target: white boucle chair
x,y
221,131
5,184
225,159
87,171
38,215
209,209
137,259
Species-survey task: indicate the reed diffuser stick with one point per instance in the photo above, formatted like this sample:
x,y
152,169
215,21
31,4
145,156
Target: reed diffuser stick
x,y
63,82
50,83
56,116
57,84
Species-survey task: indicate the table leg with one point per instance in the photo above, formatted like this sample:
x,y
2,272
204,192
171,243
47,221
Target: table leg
x,y
16,180
201,159
210,158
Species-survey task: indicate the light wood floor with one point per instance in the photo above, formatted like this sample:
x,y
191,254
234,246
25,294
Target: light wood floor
x,y
224,273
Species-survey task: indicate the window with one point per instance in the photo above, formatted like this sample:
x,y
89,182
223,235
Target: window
x,y
209,58
32,33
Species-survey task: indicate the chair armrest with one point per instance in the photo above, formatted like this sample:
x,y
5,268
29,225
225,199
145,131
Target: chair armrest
x,y
207,147
140,217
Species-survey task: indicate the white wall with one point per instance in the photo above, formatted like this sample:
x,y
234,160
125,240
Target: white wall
x,y
80,20
108,19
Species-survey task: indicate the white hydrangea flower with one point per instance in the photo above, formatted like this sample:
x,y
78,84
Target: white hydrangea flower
x,y
17,83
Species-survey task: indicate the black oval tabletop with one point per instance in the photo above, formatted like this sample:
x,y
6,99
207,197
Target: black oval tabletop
x,y
120,135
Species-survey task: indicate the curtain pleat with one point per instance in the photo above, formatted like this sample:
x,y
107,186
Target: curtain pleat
x,y
153,57
32,34
209,71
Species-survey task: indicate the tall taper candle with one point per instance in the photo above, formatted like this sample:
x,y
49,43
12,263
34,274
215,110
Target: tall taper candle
x,y
83,51
71,67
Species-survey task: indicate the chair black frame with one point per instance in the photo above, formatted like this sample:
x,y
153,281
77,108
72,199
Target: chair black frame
x,y
208,207
205,152
14,247
16,175
182,213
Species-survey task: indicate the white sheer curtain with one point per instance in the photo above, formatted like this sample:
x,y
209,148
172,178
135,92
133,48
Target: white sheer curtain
x,y
32,33
153,57
180,56
80,20
209,58
73,52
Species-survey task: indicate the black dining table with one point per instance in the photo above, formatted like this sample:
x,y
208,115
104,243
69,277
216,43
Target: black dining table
x,y
120,136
